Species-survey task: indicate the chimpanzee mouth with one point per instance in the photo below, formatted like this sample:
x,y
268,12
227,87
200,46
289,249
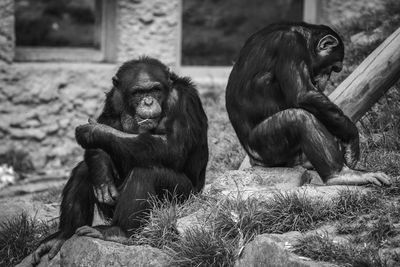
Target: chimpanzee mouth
x,y
144,121
147,123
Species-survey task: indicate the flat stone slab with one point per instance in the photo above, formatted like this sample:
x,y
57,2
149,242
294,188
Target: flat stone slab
x,y
14,206
262,183
87,252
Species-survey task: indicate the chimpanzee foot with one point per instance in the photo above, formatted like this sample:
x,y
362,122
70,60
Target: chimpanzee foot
x,y
353,177
52,247
89,231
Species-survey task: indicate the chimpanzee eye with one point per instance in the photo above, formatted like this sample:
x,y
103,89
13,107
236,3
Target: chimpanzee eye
x,y
156,89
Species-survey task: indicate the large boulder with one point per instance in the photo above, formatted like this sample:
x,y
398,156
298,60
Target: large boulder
x,y
86,251
272,250
14,206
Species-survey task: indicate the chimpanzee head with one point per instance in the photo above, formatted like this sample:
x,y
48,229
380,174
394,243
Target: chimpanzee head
x,y
327,52
142,87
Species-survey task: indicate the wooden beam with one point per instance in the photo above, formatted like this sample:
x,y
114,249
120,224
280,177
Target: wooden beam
x,y
370,80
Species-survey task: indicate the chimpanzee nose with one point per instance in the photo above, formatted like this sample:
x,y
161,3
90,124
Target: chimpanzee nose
x,y
148,101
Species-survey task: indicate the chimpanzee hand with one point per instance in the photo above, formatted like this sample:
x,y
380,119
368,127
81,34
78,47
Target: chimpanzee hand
x,y
106,193
351,153
85,134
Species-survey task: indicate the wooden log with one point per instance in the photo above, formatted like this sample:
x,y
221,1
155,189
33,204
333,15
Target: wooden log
x,y
367,83
370,80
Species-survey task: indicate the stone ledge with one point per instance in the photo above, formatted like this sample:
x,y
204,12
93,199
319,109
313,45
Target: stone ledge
x,y
86,251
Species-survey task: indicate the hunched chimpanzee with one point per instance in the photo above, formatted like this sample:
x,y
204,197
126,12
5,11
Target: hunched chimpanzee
x,y
150,140
276,106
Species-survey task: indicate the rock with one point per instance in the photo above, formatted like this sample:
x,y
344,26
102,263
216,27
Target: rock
x,y
245,163
262,183
258,181
269,250
14,206
146,18
33,133
27,262
86,251
194,220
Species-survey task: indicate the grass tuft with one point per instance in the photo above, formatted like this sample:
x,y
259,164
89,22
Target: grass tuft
x,y
294,212
348,227
382,230
282,213
19,237
354,202
201,247
393,190
159,228
322,248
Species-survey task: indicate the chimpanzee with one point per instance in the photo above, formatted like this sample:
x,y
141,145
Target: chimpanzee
x,y
150,140
276,106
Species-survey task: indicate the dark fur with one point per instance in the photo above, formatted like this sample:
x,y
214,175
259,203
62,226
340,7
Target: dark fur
x,y
146,165
276,109
150,164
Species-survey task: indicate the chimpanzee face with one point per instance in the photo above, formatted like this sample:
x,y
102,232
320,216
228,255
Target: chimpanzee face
x,y
327,56
144,90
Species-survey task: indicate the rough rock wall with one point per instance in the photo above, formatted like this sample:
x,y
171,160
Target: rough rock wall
x,y
6,31
149,27
42,103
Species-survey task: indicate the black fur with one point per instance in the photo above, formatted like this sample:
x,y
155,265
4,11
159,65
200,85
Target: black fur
x,y
141,166
274,104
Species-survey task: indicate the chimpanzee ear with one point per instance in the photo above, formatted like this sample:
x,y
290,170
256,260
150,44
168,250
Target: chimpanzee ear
x,y
115,81
172,78
327,42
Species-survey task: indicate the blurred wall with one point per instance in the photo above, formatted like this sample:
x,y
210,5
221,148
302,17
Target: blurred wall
x,y
149,27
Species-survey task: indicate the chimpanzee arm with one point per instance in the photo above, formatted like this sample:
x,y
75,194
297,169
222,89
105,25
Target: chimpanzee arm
x,y
138,148
103,175
299,91
102,171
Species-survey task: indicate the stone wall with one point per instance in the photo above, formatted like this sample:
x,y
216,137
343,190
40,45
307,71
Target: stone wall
x,y
42,103
149,28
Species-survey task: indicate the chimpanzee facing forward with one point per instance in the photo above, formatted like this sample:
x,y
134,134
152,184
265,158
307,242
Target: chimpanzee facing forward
x,y
275,103
150,140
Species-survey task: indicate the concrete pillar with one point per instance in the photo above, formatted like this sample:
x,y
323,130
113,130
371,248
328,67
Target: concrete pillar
x,y
149,27
7,37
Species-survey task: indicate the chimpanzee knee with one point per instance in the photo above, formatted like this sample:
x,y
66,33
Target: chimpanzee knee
x,y
143,184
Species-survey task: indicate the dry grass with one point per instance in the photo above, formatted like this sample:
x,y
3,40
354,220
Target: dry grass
x,y
20,236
